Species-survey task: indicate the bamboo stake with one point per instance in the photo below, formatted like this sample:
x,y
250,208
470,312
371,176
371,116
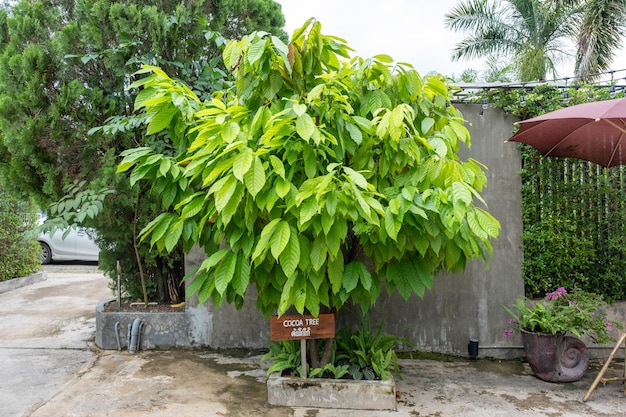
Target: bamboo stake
x,y
604,368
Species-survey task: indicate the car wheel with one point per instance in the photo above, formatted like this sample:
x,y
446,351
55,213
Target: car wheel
x,y
46,253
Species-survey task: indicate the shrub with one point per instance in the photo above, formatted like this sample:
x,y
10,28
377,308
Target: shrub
x,y
20,253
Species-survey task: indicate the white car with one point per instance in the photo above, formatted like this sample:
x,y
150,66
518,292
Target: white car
x,y
78,245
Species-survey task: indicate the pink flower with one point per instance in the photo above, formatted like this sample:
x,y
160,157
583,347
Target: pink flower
x,y
607,324
508,332
559,292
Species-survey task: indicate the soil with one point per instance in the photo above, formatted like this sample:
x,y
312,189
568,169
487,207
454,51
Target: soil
x,y
139,306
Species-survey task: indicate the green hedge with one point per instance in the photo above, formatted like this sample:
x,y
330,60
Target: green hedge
x,y
20,254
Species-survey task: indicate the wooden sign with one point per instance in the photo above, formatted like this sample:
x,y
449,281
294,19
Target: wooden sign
x,y
302,327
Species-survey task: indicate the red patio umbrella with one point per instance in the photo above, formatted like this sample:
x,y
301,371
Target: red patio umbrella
x,y
593,132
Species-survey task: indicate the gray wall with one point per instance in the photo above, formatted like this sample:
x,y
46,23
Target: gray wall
x,y
460,306
469,304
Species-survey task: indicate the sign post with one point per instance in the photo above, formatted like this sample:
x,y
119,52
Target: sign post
x,y
302,328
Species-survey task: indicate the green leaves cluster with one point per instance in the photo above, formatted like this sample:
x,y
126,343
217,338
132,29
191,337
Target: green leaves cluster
x,y
314,177
358,354
20,253
576,311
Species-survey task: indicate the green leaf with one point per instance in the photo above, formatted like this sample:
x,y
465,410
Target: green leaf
x,y
392,225
225,192
241,278
173,236
336,273
299,296
263,244
318,253
335,237
308,209
255,177
286,299
356,177
383,58
255,51
280,239
461,193
242,163
165,166
224,272
161,120
290,257
350,277
355,133
475,226
195,285
305,126
278,166
214,259
283,187
312,302
161,228
366,277
230,132
427,124
299,109
487,222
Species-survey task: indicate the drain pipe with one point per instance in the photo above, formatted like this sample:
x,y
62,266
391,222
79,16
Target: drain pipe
x,y
117,335
474,346
134,335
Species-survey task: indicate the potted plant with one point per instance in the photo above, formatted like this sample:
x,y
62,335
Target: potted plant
x,y
359,373
552,354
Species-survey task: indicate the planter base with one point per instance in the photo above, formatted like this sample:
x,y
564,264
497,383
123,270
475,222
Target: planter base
x,y
331,393
160,330
555,358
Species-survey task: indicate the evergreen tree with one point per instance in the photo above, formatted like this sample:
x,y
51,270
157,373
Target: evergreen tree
x,y
64,71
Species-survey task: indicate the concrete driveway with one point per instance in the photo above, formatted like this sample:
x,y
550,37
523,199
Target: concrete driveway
x,y
50,367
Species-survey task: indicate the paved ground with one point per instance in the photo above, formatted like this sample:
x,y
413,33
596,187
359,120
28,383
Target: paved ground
x,y
49,367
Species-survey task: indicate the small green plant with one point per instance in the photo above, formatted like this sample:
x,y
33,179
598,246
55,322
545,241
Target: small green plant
x,y
20,253
356,355
336,371
578,312
369,355
285,357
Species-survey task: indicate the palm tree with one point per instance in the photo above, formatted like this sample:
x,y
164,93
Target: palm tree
x,y
599,34
531,33
498,70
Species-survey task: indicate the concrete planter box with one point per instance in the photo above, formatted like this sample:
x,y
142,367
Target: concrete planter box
x,y
160,330
331,393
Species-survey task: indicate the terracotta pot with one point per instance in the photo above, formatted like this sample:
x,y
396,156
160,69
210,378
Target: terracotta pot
x,y
555,358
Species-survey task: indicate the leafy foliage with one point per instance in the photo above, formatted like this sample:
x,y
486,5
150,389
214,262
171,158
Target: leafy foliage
x,y
20,254
313,178
286,358
369,355
64,71
356,354
561,311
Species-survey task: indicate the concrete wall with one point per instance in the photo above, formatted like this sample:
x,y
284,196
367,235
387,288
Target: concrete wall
x,y
460,306
469,304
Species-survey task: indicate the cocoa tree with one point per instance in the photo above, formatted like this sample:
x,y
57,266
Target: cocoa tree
x,y
315,177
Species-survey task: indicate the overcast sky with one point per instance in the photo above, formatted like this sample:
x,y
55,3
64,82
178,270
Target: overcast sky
x,y
409,30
